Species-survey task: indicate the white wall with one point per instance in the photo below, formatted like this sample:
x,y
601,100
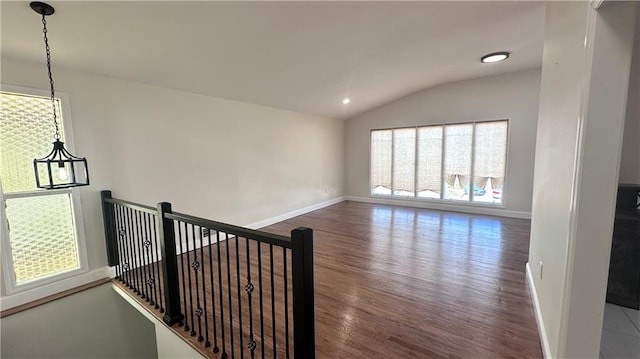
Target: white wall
x,y
630,162
96,323
583,91
512,96
170,345
225,160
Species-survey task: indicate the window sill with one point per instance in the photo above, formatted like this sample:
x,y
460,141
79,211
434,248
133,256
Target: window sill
x,y
442,206
46,293
440,201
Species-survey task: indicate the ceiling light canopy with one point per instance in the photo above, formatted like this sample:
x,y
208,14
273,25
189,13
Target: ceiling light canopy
x,y
346,101
495,57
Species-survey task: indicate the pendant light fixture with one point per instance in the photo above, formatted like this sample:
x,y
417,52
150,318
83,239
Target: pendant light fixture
x,y
59,169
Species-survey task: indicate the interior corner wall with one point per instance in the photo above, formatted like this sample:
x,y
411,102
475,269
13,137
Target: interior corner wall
x,y
224,160
560,91
95,323
585,72
512,96
630,161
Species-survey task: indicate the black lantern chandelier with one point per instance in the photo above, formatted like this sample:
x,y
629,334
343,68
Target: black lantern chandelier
x,y
59,169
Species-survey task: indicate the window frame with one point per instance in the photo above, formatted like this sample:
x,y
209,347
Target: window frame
x,y
441,200
10,285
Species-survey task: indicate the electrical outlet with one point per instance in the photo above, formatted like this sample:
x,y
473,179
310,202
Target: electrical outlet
x,y
540,269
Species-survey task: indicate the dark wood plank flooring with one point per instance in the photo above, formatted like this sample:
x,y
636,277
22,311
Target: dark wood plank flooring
x,y
413,283
397,282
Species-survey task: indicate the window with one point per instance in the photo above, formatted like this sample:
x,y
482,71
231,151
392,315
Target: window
x,y
40,227
463,162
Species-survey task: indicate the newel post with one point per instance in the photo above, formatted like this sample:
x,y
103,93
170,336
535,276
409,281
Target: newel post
x,y
304,342
172,313
110,233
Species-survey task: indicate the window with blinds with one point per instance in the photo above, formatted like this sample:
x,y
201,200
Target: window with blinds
x,y
463,162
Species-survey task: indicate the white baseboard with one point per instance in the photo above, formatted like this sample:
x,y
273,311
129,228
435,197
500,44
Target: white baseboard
x,y
297,212
477,209
30,295
546,351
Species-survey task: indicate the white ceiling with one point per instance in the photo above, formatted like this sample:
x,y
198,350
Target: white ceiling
x,y
300,56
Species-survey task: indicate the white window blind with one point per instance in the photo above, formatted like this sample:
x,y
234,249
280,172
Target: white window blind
x,y
461,162
490,147
381,155
457,160
404,161
429,175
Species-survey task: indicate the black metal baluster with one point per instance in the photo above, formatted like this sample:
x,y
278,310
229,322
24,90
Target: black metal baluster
x,y
196,265
207,343
116,231
239,296
249,289
141,260
132,251
122,234
127,245
157,264
122,249
193,323
224,347
152,268
226,242
138,246
286,304
147,244
260,292
273,302
184,291
213,298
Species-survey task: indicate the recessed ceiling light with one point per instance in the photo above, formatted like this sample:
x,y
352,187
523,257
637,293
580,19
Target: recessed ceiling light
x,y
495,57
346,101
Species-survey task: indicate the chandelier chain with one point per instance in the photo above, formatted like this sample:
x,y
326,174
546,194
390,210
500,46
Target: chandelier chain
x,y
53,100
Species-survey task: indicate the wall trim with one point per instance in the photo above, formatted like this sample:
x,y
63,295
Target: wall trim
x,y
297,212
546,350
54,297
443,207
30,295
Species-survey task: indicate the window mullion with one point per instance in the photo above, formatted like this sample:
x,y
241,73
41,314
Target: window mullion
x,y
473,152
415,165
393,149
48,192
442,157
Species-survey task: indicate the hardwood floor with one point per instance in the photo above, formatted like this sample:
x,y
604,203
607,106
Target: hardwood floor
x,y
414,283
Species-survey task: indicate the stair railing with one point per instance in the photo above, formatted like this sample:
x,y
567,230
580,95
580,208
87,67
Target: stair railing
x,y
235,290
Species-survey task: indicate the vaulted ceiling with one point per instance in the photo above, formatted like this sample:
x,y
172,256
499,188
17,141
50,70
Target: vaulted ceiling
x,y
299,56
